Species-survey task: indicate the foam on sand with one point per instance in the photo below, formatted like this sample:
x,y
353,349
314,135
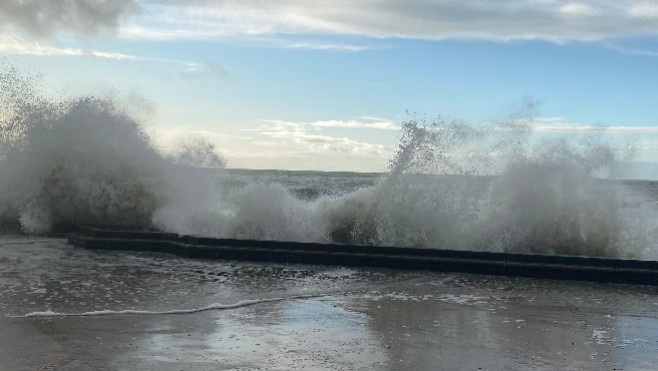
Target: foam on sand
x,y
239,304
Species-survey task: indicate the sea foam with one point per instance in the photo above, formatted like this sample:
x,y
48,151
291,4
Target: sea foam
x,y
212,307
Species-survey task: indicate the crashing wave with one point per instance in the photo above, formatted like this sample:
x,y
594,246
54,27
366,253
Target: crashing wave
x,y
451,185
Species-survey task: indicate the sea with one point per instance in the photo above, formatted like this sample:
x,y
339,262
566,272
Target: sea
x,y
88,160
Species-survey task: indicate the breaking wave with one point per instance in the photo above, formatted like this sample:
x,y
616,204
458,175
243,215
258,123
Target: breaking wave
x,y
455,186
81,160
496,187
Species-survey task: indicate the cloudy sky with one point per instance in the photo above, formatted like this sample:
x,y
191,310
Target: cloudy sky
x,y
325,85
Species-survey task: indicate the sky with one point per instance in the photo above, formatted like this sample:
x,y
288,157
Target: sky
x,y
325,85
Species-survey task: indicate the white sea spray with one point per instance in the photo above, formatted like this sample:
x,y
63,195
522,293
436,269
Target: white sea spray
x,y
451,185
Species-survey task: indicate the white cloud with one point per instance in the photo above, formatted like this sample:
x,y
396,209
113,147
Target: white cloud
x,y
325,46
644,9
278,144
14,45
561,125
18,46
302,133
576,9
42,19
557,20
632,51
365,123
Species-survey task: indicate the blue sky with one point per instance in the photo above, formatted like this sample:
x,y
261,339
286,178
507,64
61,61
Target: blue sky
x,y
325,85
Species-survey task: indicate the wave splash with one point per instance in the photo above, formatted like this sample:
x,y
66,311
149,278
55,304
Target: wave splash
x,y
493,188
456,186
451,185
81,160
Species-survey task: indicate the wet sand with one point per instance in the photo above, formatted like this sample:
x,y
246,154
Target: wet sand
x,y
304,317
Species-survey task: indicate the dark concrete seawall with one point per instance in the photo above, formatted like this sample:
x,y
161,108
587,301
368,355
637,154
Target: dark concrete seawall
x,y
508,264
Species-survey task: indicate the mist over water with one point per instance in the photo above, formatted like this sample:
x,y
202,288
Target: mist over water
x,y
451,185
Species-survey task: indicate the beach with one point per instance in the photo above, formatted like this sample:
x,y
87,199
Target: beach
x,y
71,309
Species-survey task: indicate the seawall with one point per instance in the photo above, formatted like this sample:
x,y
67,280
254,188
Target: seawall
x,y
475,262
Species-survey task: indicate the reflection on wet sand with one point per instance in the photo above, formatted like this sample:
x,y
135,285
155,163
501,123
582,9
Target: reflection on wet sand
x,y
550,325
360,319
